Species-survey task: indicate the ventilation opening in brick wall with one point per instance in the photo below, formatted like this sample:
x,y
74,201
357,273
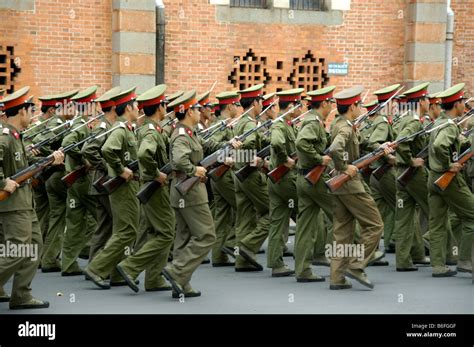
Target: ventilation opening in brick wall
x,y
8,68
308,72
249,69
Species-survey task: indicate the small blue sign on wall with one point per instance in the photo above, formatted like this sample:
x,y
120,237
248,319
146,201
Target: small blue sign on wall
x,y
340,69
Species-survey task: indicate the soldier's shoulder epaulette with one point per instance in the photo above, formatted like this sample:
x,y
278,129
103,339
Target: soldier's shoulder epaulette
x,y
6,131
59,121
384,119
122,125
415,116
103,125
151,127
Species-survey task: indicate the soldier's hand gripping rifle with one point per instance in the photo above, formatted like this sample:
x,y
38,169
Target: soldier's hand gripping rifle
x,y
410,171
445,179
185,185
245,171
148,189
338,181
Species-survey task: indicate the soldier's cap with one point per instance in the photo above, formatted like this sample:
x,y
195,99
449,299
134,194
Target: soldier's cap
x,y
55,99
323,94
226,98
349,96
387,92
452,94
20,97
215,106
105,99
418,91
153,96
86,95
268,99
252,92
184,102
203,99
401,98
290,95
434,99
124,96
371,105
175,95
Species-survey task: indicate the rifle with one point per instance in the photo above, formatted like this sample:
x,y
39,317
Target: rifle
x,y
445,179
51,139
376,109
185,185
222,125
35,169
35,126
148,189
409,172
315,174
246,170
113,183
337,181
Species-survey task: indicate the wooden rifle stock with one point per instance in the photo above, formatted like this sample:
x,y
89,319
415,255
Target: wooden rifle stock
x,y
73,176
381,170
243,173
148,189
98,184
115,182
27,173
445,179
218,171
277,173
410,171
315,174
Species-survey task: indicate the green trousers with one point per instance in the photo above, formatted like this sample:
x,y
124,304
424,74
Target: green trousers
x,y
346,210
458,198
152,256
384,194
309,231
42,207
252,214
20,228
408,239
78,233
103,230
125,216
224,213
57,197
283,201
195,236
323,234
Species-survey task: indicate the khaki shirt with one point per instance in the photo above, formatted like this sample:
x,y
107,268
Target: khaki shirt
x,y
283,137
152,150
311,141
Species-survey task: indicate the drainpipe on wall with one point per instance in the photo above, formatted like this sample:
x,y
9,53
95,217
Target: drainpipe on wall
x,y
160,43
449,47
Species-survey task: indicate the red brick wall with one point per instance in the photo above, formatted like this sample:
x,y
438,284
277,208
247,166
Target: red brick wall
x,y
64,44
463,54
199,50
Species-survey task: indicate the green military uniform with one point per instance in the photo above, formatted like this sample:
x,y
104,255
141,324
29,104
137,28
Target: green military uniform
x,y
18,221
119,150
159,216
195,233
351,202
79,202
445,145
92,153
223,189
251,197
168,129
311,142
282,195
408,239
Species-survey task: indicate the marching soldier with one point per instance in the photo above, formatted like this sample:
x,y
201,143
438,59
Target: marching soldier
x,y
195,234
56,190
311,142
119,150
18,221
383,189
251,195
223,189
352,201
282,195
446,144
98,170
160,219
409,246
168,129
79,202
